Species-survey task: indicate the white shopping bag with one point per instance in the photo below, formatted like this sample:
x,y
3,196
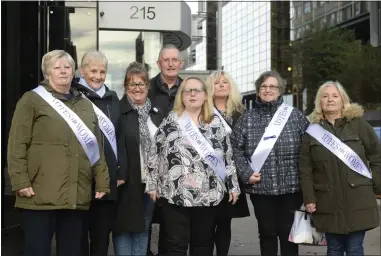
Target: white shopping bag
x,y
303,233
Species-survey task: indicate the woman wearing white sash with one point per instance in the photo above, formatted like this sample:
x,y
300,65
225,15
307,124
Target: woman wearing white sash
x,y
339,195
227,100
266,143
188,169
54,153
106,106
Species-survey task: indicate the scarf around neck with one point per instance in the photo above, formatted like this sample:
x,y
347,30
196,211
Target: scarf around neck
x,y
145,137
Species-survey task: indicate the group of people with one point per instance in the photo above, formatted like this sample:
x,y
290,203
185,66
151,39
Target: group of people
x,y
184,154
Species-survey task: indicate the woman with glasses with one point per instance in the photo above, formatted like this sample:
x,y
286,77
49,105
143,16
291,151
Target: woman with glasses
x,y
227,101
266,143
188,170
138,124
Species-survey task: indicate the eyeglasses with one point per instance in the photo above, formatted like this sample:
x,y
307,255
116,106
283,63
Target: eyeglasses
x,y
271,87
174,61
140,85
189,91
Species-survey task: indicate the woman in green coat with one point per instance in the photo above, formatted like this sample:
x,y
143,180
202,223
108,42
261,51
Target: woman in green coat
x,y
340,169
54,152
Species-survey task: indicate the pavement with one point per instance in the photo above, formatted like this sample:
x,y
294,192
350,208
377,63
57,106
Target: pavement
x,y
244,241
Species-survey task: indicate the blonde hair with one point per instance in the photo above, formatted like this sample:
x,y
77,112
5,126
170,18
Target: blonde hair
x,y
234,101
207,107
50,58
317,114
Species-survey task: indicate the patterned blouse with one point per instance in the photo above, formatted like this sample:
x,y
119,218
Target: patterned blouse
x,y
179,174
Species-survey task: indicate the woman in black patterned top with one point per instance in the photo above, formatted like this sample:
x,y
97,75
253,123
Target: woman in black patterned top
x,y
188,169
227,101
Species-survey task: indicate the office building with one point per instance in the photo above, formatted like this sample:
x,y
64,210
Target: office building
x,y
352,15
255,38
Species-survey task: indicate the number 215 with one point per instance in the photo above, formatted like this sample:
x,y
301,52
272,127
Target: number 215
x,y
150,14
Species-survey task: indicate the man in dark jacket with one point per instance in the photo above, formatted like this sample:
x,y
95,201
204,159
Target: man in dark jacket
x,y
164,86
162,93
106,106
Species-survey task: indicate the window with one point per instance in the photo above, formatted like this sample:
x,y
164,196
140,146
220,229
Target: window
x,y
333,19
124,47
314,4
340,16
307,7
348,13
73,29
323,21
357,8
296,12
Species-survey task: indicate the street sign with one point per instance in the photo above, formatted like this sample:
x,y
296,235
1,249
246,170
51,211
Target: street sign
x,y
145,16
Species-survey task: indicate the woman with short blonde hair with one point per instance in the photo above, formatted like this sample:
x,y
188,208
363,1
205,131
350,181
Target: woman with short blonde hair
x,y
188,169
340,169
55,155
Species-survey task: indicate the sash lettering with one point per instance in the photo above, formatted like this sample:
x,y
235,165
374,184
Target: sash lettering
x,y
85,137
226,125
106,127
339,149
202,146
270,136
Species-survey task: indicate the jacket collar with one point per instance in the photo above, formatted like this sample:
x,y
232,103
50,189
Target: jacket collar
x,y
88,92
352,111
73,91
126,107
159,83
268,106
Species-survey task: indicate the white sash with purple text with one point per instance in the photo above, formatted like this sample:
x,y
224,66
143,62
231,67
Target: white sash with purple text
x,y
106,126
85,137
270,136
226,125
202,146
339,149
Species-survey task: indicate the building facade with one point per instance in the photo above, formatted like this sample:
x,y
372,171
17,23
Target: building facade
x,y
345,14
124,31
255,37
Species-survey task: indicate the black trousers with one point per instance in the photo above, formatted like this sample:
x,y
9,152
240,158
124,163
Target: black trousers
x,y
275,215
223,228
223,236
40,225
97,228
184,225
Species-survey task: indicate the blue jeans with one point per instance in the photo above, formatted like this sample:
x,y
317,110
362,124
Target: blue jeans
x,y
351,244
131,243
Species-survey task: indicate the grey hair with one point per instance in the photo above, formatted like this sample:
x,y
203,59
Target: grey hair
x,y
93,55
167,47
262,77
50,58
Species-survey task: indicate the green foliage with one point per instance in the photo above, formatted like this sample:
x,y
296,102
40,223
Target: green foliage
x,y
362,76
334,54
